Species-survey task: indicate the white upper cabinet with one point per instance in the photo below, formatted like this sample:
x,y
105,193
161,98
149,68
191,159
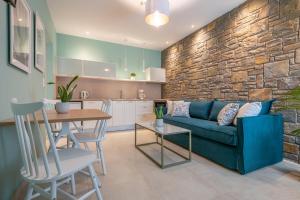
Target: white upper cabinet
x,y
155,74
68,66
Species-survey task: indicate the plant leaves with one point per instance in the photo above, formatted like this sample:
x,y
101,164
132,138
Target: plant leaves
x,y
71,82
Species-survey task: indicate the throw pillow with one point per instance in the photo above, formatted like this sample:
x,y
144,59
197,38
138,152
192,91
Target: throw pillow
x,y
181,109
170,106
227,114
248,110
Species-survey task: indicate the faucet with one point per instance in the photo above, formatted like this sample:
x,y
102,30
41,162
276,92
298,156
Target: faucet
x,y
121,94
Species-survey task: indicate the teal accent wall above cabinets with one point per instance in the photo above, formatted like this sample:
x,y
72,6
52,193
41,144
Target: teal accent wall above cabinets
x,y
25,87
94,50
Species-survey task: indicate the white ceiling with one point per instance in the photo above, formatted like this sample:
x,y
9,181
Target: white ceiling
x,y
122,21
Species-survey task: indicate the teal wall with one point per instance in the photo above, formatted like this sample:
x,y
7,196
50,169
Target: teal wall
x,y
25,87
87,49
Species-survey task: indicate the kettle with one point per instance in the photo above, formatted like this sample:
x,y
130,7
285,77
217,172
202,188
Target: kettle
x,y
84,94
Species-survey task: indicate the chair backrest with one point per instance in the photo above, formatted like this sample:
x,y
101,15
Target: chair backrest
x,y
33,149
102,125
50,103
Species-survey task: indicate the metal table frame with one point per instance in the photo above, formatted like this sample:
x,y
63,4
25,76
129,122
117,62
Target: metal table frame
x,y
162,145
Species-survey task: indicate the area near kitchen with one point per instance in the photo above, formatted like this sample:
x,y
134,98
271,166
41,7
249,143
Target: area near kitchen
x,y
131,77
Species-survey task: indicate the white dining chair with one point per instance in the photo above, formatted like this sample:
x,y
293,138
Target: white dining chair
x,y
97,136
54,168
50,105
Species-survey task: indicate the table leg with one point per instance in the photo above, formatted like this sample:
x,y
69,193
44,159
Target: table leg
x,y
135,134
190,145
162,151
66,131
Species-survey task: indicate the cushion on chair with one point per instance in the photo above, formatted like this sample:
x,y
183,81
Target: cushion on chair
x,y
200,109
181,109
216,108
227,114
206,129
248,110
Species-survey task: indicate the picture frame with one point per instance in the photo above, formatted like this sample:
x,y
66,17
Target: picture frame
x,y
12,2
20,36
39,44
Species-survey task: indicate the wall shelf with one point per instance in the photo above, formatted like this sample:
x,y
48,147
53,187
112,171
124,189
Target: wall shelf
x,y
110,79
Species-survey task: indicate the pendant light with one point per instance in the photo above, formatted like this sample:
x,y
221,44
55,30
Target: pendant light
x,y
157,12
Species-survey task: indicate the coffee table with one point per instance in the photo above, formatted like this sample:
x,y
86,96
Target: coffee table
x,y
161,132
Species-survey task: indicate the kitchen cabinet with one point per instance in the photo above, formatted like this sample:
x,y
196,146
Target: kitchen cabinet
x,y
144,110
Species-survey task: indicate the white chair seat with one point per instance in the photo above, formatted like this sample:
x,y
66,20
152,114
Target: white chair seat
x,y
71,160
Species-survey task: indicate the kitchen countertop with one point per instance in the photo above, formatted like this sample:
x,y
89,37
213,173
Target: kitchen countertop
x,y
80,100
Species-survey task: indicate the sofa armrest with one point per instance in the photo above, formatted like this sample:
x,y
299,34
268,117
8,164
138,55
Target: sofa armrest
x,y
260,141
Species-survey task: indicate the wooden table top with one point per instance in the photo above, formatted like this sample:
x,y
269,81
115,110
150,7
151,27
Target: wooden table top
x,y
73,115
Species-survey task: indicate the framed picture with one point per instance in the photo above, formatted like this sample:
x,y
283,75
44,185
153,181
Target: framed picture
x,y
40,44
12,2
20,36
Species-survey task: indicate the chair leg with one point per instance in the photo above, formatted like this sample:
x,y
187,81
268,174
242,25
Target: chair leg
x,y
53,190
95,182
101,154
73,186
29,192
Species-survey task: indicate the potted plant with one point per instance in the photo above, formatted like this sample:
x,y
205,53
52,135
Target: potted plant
x,y
291,101
65,94
159,116
132,76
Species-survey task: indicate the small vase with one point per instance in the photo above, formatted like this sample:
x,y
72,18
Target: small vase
x,y
62,107
159,122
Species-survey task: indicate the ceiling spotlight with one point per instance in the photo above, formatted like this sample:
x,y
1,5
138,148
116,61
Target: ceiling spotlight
x,y
87,33
20,19
157,12
192,26
167,42
106,70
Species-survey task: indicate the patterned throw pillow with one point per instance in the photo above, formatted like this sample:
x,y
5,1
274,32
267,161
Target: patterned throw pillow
x,y
181,109
227,114
170,105
248,110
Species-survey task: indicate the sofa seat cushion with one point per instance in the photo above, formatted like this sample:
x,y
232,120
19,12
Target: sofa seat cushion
x,y
206,129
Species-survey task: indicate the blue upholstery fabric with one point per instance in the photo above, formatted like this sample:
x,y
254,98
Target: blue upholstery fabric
x,y
266,106
219,153
256,142
216,108
200,109
260,141
206,129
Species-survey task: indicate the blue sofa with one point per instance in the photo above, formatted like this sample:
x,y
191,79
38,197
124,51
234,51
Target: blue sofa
x,y
254,143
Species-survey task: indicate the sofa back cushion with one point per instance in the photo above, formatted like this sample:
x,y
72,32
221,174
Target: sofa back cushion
x,y
266,106
217,106
200,109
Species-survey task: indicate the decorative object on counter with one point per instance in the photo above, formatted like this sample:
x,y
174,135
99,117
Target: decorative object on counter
x,y
132,76
40,44
159,122
12,2
65,94
84,94
20,36
291,101
141,94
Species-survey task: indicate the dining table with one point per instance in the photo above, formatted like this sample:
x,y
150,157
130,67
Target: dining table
x,y
66,119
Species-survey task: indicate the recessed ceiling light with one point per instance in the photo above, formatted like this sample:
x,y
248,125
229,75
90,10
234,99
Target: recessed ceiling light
x,y
192,26
167,42
20,19
87,33
106,70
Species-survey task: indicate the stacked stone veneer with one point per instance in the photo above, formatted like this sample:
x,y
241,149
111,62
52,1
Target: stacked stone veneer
x,y
252,52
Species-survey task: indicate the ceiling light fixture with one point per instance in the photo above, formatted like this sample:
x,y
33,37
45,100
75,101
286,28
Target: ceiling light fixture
x,y
106,70
157,12
20,19
87,33
192,26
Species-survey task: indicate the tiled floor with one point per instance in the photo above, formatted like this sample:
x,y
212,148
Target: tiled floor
x,y
132,176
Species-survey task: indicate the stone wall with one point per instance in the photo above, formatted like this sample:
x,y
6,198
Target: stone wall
x,y
252,52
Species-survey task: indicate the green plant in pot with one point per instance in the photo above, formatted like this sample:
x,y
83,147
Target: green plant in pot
x,y
132,76
65,94
159,116
291,101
